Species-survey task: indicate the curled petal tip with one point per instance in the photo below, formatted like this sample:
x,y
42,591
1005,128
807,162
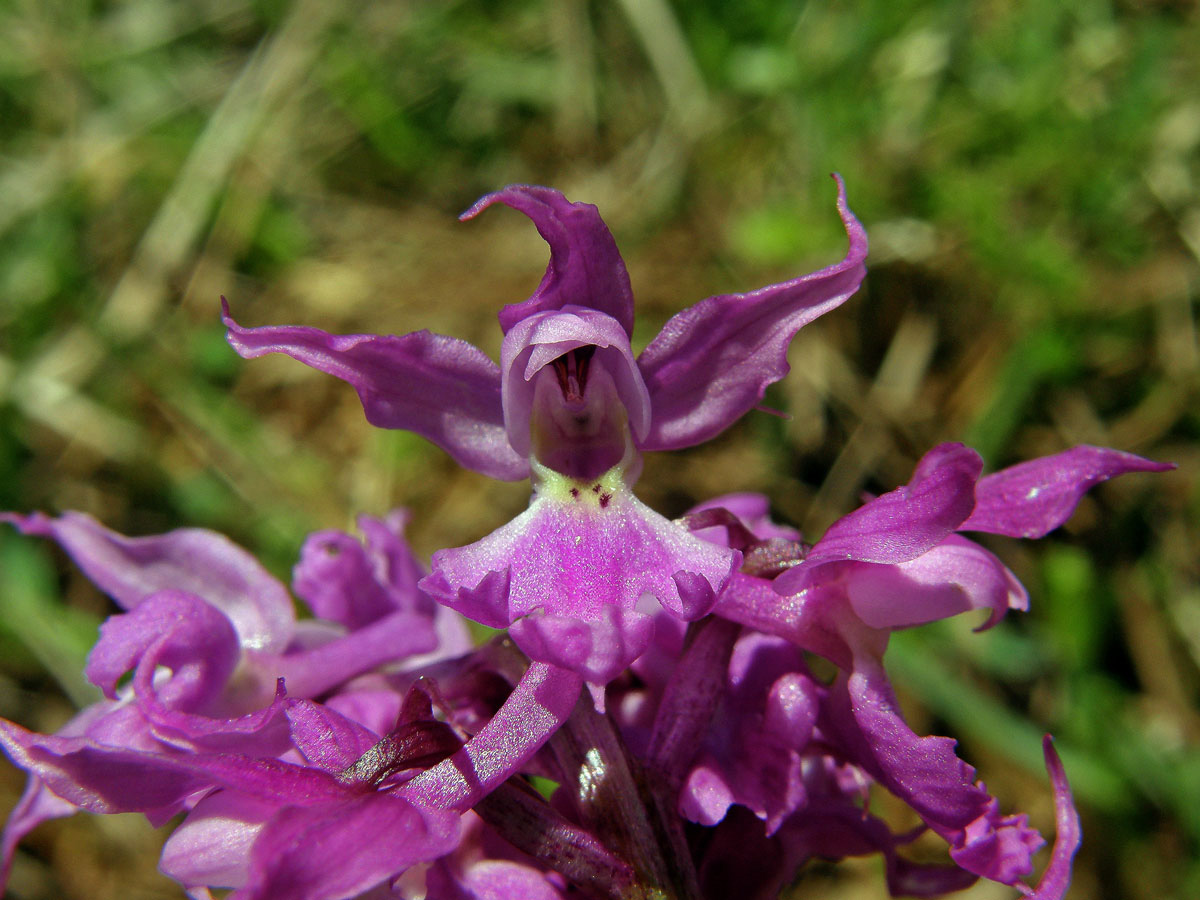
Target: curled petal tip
x,y
507,193
1057,878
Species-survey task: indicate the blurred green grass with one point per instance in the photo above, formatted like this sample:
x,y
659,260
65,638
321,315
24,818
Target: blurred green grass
x,y
1028,175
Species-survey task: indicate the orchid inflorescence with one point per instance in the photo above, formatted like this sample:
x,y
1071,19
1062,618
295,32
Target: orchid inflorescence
x,y
371,750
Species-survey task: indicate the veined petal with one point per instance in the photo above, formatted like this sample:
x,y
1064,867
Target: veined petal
x,y
443,388
191,560
585,266
712,362
1033,498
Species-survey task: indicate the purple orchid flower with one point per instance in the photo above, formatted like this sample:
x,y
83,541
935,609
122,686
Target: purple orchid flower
x,y
769,751
571,408
212,643
894,563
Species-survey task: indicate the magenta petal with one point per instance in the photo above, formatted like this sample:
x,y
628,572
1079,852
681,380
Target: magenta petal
x,y
193,560
585,266
376,709
997,847
442,388
922,771
396,566
834,829
953,577
308,673
178,631
333,851
259,732
753,748
900,525
189,559
599,650
578,561
337,580
537,340
37,805
500,879
97,778
1057,877
325,737
754,511
532,713
904,523
712,362
928,776
706,794
1033,498
212,846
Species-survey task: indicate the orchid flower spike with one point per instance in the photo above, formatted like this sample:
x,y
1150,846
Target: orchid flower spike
x,y
572,408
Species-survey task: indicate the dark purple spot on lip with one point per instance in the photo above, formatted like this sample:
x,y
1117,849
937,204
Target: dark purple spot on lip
x,y
575,493
604,500
595,488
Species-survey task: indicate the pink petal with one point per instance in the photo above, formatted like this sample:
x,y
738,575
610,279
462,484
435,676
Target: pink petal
x,y
191,560
1057,877
580,558
585,267
444,389
712,362
1035,497
339,850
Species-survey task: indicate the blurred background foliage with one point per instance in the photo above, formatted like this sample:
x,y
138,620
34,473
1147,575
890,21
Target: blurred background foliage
x,y
1028,175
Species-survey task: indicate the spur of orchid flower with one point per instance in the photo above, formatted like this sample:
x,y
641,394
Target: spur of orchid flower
x,y
572,408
